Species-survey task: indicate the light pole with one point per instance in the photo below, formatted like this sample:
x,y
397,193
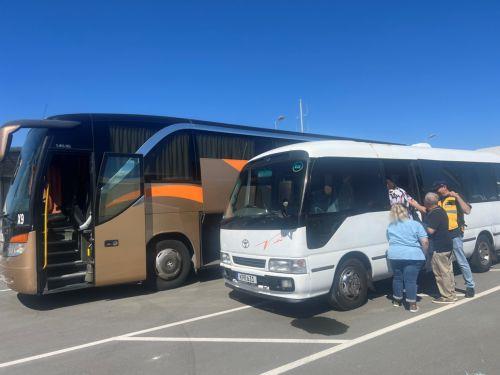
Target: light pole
x,y
280,118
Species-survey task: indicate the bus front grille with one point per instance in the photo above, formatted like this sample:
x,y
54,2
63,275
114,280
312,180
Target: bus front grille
x,y
250,262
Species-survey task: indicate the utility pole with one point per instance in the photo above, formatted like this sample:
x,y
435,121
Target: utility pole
x,y
301,115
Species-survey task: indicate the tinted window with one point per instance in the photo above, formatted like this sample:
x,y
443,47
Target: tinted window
x,y
128,138
346,185
401,172
119,186
497,170
224,146
171,160
340,188
475,181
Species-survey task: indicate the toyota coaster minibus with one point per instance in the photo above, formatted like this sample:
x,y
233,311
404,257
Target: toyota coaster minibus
x,y
308,220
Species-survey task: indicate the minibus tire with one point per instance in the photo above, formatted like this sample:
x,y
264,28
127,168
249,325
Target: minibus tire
x,y
179,254
481,258
339,298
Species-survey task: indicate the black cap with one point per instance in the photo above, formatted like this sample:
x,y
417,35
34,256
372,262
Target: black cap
x,y
437,184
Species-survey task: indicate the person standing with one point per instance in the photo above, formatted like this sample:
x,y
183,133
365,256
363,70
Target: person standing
x,y
408,244
398,195
436,222
455,207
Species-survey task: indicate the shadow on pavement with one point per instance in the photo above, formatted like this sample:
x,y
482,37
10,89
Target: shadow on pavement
x,y
81,296
108,293
321,325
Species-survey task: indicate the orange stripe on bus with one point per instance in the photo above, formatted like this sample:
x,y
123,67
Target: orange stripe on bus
x,y
236,164
132,196
190,192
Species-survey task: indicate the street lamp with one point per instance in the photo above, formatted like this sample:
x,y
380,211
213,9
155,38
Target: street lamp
x,y
280,118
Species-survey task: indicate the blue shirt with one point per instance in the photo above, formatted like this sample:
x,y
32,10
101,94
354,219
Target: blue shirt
x,y
403,237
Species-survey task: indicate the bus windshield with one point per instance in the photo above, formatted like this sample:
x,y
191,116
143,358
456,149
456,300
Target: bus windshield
x,y
17,202
267,195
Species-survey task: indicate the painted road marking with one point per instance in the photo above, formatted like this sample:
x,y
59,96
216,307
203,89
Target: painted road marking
x,y
325,353
111,339
231,340
428,295
5,290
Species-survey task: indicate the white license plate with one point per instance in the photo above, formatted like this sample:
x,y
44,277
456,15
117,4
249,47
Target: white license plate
x,y
251,279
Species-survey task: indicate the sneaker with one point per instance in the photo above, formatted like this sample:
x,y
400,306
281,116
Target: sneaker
x,y
442,300
396,303
469,293
413,307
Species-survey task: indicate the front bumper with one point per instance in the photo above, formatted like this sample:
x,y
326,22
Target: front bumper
x,y
269,285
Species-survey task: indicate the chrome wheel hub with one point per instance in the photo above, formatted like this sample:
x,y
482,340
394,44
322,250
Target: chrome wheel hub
x,y
484,253
350,284
168,264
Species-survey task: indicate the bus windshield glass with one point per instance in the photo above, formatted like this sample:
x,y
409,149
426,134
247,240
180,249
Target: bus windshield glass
x,y
268,195
17,202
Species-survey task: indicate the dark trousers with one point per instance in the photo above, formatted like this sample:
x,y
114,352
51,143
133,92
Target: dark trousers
x,y
405,274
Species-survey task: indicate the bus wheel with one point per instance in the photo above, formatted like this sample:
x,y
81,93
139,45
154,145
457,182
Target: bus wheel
x,y
168,265
350,285
481,259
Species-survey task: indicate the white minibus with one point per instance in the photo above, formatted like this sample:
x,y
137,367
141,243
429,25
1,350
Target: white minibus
x,y
308,220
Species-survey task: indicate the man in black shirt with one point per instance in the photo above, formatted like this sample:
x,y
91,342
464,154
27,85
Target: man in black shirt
x,y
436,223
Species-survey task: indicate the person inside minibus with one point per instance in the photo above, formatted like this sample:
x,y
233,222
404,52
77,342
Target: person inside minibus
x,y
324,199
398,195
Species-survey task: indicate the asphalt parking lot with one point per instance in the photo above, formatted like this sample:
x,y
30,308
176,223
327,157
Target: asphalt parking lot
x,y
204,328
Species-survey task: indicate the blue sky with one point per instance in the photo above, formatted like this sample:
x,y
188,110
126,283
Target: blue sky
x,y
389,70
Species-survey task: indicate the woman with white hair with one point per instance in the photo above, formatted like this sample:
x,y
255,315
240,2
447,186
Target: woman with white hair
x,y
408,244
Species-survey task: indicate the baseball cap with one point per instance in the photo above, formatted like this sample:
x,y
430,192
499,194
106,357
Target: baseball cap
x,y
437,184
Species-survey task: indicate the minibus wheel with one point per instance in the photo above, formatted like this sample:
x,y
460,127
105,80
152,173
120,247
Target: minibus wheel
x,y
481,259
168,265
350,285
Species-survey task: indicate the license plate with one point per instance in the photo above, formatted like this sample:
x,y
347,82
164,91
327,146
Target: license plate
x,y
250,279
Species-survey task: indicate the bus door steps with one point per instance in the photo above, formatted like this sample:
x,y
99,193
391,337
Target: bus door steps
x,y
69,287
66,264
63,252
75,275
66,279
66,233
61,243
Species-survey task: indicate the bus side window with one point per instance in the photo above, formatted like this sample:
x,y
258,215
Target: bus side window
x,y
497,170
171,160
402,173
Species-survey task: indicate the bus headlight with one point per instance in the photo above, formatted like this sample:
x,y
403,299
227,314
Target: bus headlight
x,y
288,265
225,258
15,249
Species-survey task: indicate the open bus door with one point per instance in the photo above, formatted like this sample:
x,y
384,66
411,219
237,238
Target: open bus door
x,y
120,230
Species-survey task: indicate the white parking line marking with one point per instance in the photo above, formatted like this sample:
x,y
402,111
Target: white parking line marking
x,y
495,269
231,340
5,290
105,341
427,295
374,334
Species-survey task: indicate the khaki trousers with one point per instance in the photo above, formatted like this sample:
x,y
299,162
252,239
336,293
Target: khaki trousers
x,y
442,268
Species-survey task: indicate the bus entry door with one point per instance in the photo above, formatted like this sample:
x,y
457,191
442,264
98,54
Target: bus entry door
x,y
120,233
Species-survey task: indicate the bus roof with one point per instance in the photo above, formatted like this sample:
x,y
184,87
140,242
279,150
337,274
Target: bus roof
x,y
351,149
166,121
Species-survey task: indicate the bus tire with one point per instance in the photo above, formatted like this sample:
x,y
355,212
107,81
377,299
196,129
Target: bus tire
x,y
350,285
168,265
481,258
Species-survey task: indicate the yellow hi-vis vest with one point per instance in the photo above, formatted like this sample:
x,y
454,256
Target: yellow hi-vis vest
x,y
450,205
